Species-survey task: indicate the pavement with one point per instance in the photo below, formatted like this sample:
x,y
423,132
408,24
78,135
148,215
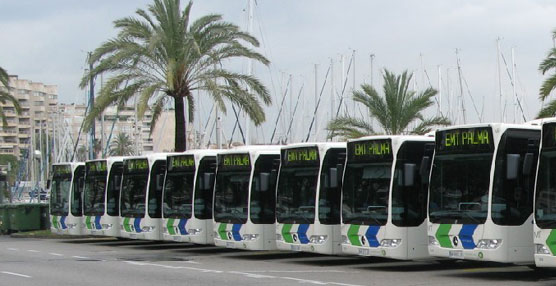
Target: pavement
x,y
98,261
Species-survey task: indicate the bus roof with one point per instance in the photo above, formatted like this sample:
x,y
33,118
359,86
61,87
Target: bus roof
x,y
321,145
528,125
254,149
398,137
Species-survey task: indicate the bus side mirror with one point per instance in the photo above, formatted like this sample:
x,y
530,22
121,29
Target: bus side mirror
x,y
48,184
512,166
409,174
424,169
333,175
159,181
208,178
264,179
528,164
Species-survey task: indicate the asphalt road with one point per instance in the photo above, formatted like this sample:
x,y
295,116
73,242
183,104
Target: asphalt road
x,y
112,262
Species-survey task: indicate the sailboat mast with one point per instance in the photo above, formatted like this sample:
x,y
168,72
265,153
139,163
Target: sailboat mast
x,y
249,70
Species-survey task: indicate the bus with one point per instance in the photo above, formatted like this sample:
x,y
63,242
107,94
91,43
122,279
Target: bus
x,y
308,197
384,196
481,192
244,197
141,197
66,188
545,199
101,196
187,197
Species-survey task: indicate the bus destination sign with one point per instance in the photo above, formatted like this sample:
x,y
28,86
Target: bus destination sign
x,y
96,166
234,161
370,150
549,135
300,156
61,170
181,163
137,165
467,140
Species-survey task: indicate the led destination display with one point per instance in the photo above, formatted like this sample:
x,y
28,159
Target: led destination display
x,y
136,165
468,140
61,170
300,156
370,150
181,163
96,166
234,161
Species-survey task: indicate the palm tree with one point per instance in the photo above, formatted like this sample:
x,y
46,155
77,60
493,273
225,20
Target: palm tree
x,y
122,145
6,96
394,112
163,55
548,64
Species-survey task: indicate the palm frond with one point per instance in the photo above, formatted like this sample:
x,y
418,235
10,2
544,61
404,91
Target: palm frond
x,y
349,128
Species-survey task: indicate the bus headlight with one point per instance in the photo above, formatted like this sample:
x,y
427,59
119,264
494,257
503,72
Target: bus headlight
x,y
391,242
194,231
345,239
489,243
433,241
318,239
106,226
147,228
250,237
541,249
278,237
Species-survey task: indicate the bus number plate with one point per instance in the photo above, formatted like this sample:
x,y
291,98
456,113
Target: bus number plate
x,y
363,251
455,254
176,238
133,236
295,247
229,244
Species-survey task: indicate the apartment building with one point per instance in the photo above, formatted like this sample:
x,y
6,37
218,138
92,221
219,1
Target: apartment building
x,y
38,101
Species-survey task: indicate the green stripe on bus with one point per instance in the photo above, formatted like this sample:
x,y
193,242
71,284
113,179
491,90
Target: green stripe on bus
x,y
443,236
55,221
551,241
222,231
353,235
127,226
88,222
286,233
170,226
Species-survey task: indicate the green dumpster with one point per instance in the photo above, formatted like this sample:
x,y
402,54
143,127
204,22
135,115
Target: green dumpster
x,y
24,217
4,219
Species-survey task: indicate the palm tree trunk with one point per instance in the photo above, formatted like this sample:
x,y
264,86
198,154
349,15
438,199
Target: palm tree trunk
x,y
180,141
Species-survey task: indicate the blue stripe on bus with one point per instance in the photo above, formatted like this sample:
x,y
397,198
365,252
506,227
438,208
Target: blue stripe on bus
x,y
235,232
302,233
181,226
97,222
371,233
137,224
466,236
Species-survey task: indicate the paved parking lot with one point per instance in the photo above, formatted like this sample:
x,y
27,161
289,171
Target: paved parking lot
x,y
98,261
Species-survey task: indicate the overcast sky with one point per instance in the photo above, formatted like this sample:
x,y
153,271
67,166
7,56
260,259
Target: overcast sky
x,y
47,41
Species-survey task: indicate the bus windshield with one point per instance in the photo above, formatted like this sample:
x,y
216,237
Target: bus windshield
x,y
178,194
134,189
459,188
365,193
59,194
231,196
297,186
94,194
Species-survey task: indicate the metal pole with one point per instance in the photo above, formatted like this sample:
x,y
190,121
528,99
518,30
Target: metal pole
x,y
91,104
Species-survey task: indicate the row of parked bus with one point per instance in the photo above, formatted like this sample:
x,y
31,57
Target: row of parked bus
x,y
480,192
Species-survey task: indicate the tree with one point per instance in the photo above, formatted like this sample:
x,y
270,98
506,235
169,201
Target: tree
x,y
163,55
549,84
122,145
5,96
394,112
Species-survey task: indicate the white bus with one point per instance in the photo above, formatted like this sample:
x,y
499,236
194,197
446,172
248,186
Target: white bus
x,y
141,197
481,192
384,196
102,195
308,197
244,197
545,199
66,187
187,197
